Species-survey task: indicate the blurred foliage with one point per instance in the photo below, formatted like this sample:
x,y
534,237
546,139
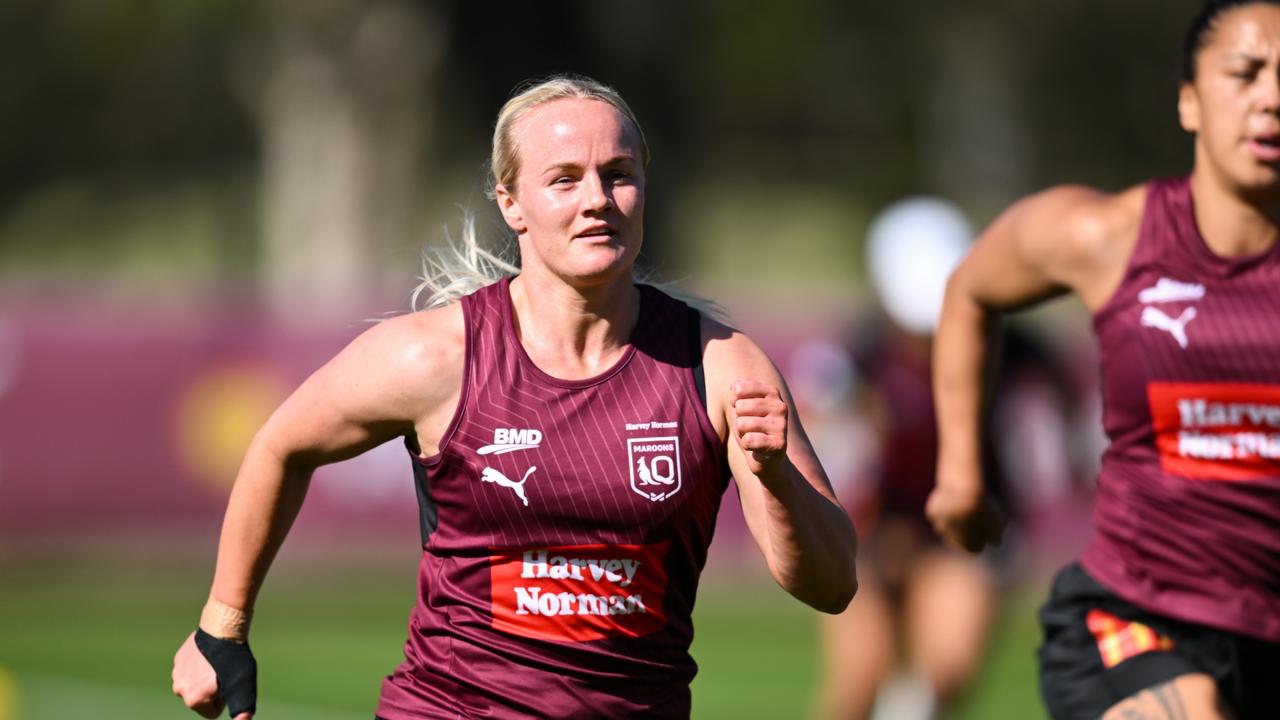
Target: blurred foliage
x,y
119,91
820,111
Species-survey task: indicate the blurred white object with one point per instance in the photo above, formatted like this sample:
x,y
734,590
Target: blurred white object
x,y
912,246
822,374
906,696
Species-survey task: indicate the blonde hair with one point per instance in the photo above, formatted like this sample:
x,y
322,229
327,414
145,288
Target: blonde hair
x,y
504,163
460,266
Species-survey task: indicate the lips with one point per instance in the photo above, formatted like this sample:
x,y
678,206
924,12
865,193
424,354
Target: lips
x,y
597,231
1265,147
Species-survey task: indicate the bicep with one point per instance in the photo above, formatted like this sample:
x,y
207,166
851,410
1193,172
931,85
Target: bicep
x,y
731,356
327,420
376,389
1033,251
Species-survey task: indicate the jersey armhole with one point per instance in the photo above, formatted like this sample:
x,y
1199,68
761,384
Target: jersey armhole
x,y
698,386
1149,212
456,421
695,356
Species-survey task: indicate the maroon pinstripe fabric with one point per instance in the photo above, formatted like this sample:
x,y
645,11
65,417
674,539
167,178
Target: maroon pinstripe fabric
x,y
1187,515
573,519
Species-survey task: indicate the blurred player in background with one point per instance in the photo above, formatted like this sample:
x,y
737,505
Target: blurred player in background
x,y
914,638
1173,609
570,432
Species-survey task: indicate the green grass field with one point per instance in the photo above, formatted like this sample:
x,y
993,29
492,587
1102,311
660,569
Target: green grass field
x,y
94,639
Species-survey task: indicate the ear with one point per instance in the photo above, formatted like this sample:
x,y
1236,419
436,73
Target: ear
x,y
510,208
1189,107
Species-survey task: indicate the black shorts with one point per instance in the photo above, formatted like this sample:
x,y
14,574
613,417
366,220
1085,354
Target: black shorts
x,y
1099,650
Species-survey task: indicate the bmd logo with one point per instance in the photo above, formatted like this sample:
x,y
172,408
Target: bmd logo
x,y
507,440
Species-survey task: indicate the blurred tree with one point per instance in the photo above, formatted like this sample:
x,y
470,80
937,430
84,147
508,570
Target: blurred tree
x,y
117,114
343,116
115,90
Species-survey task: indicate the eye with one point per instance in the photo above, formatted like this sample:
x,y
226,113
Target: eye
x,y
1246,73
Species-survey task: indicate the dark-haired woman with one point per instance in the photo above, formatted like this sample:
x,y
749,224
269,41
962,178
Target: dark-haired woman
x,y
1173,609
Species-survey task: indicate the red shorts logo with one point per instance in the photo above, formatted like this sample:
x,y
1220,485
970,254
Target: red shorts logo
x,y
1118,640
1217,431
580,592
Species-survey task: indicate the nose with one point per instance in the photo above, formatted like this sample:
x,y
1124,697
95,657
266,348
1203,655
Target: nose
x,y
598,196
1270,92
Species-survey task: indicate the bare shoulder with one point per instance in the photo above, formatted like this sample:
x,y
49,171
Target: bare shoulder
x,y
398,377
426,336
408,364
728,351
1084,236
1068,238
728,355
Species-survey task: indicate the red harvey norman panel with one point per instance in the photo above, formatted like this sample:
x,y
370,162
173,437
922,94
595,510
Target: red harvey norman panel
x,y
579,593
1217,431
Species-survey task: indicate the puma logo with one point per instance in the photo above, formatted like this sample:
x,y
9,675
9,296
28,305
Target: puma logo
x,y
1177,327
493,476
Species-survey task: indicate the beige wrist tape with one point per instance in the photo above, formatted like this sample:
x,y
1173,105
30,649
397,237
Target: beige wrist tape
x,y
225,622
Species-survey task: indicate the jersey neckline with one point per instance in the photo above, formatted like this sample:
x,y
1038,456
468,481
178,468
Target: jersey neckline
x,y
1189,227
522,355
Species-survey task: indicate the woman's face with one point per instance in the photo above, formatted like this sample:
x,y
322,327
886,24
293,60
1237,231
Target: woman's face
x,y
579,197
1233,102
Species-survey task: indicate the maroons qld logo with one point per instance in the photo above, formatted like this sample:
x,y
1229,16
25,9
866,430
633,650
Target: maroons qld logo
x,y
655,466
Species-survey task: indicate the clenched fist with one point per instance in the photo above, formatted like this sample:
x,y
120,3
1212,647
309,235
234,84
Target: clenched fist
x,y
964,516
196,681
759,424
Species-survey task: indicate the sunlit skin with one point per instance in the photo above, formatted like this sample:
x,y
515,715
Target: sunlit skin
x,y
1233,107
576,206
1074,239
578,201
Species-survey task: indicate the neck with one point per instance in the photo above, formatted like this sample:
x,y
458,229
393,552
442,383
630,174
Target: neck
x,y
569,332
1234,222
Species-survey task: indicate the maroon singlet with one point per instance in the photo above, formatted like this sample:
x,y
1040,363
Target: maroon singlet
x,y
565,526
1187,516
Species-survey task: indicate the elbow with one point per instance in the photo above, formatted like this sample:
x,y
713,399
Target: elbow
x,y
850,591
840,596
841,585
834,599
833,593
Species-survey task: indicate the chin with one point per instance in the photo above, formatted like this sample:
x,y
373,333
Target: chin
x,y
600,267
1261,182
595,277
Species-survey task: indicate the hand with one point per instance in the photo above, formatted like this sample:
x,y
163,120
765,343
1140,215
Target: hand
x,y
963,517
196,682
759,424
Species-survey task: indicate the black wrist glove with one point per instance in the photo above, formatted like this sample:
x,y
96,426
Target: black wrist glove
x,y
236,669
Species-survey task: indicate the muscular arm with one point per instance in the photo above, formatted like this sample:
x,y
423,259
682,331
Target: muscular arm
x,y
398,378
805,535
402,376
1067,239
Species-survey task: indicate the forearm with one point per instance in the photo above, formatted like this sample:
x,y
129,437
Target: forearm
x,y
962,351
265,500
811,544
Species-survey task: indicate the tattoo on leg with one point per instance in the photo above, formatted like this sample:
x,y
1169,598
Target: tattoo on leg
x,y
1171,700
1132,713
1162,702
